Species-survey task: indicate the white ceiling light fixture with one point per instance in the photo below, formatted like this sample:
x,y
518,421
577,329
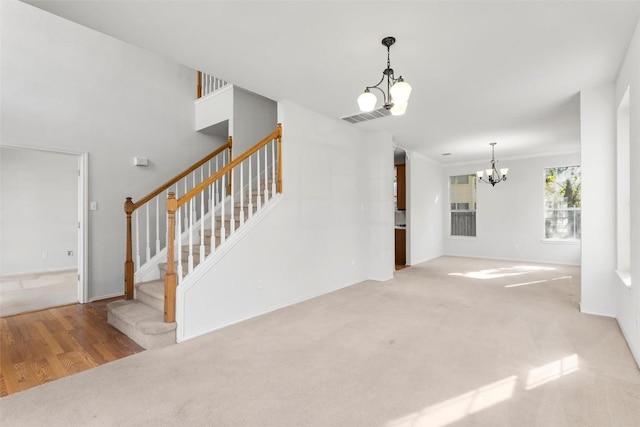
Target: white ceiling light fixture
x,y
492,175
396,97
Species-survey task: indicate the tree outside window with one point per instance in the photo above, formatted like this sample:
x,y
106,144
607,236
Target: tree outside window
x,y
562,190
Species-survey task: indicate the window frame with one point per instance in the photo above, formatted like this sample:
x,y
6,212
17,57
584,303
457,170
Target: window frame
x,y
472,204
575,210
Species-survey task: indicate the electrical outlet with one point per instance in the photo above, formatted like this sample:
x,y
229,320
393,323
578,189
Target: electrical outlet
x,y
44,255
69,253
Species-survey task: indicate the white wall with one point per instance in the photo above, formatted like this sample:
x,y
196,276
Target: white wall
x,y
627,299
333,228
598,127
425,212
70,88
38,211
254,117
510,216
214,108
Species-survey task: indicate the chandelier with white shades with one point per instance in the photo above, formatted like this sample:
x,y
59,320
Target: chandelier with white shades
x,y
492,176
396,96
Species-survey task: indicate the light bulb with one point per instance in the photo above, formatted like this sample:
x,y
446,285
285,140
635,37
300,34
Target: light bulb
x,y
400,91
367,101
399,108
504,171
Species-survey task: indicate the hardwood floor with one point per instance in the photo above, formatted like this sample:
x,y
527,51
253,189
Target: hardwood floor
x,y
42,346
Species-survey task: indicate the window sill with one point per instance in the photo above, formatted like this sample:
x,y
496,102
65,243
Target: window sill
x,y
625,277
561,242
462,237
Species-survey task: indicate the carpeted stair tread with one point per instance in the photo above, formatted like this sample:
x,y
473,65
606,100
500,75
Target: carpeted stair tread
x,y
142,323
140,315
151,293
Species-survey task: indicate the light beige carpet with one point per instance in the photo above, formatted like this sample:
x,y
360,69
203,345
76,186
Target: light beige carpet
x,y
451,342
31,292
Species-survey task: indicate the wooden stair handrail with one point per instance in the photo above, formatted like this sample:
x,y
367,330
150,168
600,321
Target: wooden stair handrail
x,y
130,207
170,280
228,145
276,134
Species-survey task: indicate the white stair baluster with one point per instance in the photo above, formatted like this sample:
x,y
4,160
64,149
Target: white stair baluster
x,y
190,258
222,229
194,206
148,248
210,188
137,218
241,195
250,204
212,243
232,215
273,168
157,225
202,226
259,193
217,195
178,244
186,210
266,179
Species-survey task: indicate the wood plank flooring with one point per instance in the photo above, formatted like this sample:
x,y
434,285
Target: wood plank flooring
x,y
42,346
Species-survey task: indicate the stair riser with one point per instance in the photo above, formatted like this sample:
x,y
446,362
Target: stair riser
x,y
143,324
150,300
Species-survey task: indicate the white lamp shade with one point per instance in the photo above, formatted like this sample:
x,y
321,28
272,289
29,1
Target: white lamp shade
x,y
489,172
504,171
399,108
479,174
400,92
367,101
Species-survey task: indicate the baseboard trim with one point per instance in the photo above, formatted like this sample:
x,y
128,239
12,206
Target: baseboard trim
x,y
108,296
627,337
508,259
586,310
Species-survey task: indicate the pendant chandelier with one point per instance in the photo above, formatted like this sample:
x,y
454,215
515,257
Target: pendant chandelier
x,y
492,176
397,93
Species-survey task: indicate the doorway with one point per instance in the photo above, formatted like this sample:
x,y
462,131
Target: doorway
x,y
400,207
42,223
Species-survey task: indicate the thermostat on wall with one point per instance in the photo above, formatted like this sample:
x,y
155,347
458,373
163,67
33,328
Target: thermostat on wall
x,y
140,161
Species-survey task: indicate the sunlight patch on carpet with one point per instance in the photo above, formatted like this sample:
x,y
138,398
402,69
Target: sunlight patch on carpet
x,y
552,371
496,273
459,407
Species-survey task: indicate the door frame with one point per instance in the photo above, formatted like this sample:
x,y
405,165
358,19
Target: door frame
x,y
83,214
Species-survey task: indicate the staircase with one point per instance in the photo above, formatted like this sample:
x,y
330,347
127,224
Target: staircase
x,y
199,224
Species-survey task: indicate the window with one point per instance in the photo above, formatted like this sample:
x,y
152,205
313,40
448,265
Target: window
x,y
562,203
462,197
623,191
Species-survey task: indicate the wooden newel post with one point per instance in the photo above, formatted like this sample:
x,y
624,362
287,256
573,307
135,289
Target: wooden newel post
x,y
128,264
170,282
279,181
199,89
230,177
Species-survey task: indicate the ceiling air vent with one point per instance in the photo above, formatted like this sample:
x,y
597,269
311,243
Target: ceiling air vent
x,y
364,117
